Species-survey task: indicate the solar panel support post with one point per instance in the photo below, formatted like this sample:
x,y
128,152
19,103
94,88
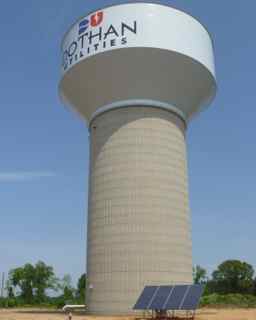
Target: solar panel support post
x,y
161,314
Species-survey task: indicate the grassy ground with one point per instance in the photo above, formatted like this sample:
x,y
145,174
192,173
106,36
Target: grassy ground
x,y
205,314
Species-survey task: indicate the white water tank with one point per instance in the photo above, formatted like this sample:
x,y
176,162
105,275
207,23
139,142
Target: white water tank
x,y
137,72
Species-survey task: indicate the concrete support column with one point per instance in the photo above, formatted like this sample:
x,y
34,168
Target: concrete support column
x,y
139,223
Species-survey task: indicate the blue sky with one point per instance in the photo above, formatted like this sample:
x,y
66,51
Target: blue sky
x,y
44,146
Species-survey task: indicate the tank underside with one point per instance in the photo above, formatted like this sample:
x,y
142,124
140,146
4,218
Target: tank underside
x,y
127,75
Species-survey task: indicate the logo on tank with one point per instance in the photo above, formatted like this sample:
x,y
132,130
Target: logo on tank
x,y
94,21
95,34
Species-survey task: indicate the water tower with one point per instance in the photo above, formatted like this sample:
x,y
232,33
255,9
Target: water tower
x,y
137,72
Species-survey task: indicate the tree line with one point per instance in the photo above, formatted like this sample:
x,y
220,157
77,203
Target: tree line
x,y
232,283
38,285
230,277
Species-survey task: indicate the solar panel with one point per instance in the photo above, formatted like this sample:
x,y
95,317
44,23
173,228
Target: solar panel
x,y
145,298
176,298
182,297
160,298
192,299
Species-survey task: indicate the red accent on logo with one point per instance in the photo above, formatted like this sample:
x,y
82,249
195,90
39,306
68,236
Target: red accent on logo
x,y
96,19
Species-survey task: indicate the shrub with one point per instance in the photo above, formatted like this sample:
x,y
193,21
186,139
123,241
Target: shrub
x,y
8,303
229,300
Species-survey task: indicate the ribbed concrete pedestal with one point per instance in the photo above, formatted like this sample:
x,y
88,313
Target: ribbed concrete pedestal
x,y
139,223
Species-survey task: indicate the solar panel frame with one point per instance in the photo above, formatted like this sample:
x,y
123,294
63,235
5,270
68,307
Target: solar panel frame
x,y
192,299
173,287
185,295
145,298
160,298
176,298
180,297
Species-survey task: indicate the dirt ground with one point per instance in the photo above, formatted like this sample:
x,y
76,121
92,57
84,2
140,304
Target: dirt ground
x,y
206,314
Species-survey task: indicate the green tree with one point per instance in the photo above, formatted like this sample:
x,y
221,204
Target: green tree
x,y
199,275
33,281
254,286
81,285
44,279
68,294
65,285
10,293
23,278
9,289
233,276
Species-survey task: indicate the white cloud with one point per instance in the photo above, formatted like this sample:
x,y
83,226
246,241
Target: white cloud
x,y
24,176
